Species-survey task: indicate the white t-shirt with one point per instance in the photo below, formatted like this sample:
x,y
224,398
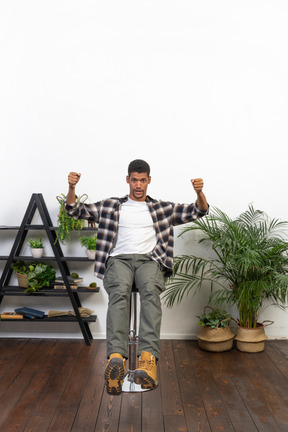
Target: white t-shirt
x,y
136,233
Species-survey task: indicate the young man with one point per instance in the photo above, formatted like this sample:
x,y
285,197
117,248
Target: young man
x,y
134,245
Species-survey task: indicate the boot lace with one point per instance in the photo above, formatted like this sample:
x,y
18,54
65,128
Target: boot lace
x,y
148,364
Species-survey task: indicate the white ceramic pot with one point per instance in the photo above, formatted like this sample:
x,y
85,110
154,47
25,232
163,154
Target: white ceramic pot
x,y
37,252
91,254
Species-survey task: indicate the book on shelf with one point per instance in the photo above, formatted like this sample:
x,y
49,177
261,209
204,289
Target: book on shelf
x,y
10,315
63,287
30,313
70,279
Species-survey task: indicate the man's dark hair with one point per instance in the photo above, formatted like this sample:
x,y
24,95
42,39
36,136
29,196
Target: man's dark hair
x,y
139,166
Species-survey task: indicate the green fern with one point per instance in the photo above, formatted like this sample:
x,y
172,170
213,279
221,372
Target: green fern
x,y
65,223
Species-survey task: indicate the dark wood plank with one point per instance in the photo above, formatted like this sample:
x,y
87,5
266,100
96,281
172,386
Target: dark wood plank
x,y
175,423
8,347
181,351
87,413
152,418
218,417
241,371
109,413
194,408
14,355
282,346
169,381
234,405
68,405
28,404
172,406
17,402
130,417
58,385
48,400
261,375
279,359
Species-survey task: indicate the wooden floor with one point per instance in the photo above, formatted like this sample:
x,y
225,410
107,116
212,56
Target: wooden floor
x,y
57,385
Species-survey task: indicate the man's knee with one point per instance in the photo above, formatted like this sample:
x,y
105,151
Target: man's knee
x,y
149,279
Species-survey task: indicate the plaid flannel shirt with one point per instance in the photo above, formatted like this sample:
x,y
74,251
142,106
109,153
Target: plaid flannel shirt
x,y
164,214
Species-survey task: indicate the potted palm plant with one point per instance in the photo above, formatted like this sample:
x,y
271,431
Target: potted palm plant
x,y
247,268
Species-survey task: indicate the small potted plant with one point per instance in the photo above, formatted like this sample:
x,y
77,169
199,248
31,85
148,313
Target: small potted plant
x,y
21,269
38,275
37,247
90,244
215,334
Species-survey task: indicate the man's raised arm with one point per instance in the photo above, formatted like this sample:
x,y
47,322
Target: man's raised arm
x,y
73,179
201,199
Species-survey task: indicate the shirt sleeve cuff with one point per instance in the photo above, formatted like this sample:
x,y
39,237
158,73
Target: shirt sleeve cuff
x,y
202,212
71,206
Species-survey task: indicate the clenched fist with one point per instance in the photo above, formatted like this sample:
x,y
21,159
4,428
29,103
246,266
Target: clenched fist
x,y
197,184
73,179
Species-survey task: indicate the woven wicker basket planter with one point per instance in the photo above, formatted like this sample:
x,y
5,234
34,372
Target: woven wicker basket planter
x,y
251,340
22,280
215,340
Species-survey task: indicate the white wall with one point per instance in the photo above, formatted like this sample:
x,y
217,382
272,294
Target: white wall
x,y
196,88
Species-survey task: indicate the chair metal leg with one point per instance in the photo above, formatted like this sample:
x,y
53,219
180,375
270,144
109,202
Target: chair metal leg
x,y
129,384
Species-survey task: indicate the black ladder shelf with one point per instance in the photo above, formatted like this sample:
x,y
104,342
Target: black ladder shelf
x,y
37,202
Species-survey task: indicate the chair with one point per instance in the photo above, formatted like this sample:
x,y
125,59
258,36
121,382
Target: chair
x,y
129,385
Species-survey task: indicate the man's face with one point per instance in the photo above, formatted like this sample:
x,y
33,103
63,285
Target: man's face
x,y
138,183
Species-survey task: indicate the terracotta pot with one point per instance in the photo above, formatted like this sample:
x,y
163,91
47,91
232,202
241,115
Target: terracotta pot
x,y
215,340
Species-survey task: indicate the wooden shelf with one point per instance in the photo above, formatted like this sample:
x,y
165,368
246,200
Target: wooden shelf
x,y
10,228
49,292
64,318
37,202
39,227
47,258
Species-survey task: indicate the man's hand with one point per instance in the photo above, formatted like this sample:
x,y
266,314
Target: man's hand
x,y
197,184
73,179
201,199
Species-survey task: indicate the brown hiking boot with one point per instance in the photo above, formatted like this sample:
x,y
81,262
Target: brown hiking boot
x,y
146,373
114,374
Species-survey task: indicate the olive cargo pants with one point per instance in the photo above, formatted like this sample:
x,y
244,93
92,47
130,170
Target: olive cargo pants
x,y
121,272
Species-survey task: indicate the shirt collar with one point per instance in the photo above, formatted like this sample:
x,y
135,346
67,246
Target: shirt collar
x,y
125,198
